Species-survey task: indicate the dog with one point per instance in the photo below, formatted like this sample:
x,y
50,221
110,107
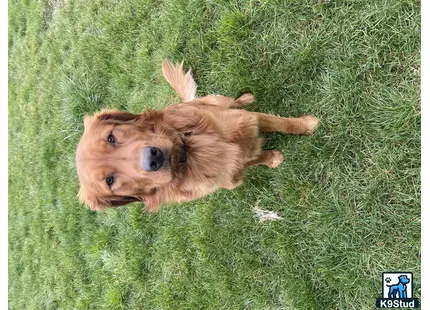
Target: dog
x,y
399,288
180,153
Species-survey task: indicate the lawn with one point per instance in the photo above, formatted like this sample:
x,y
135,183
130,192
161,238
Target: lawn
x,y
349,195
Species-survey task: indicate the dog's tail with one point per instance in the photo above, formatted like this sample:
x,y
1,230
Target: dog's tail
x,y
183,83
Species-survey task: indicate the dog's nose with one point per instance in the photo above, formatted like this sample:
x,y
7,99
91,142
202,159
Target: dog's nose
x,y
153,158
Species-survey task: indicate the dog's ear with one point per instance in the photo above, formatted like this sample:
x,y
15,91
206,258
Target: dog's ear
x,y
118,201
97,203
116,116
152,202
147,118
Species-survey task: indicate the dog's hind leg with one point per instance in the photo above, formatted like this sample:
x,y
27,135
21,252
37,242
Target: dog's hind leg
x,y
392,292
305,124
227,102
243,100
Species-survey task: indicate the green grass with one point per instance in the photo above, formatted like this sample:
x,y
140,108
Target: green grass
x,y
349,195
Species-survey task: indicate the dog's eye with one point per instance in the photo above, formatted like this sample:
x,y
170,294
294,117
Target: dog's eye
x,y
110,180
110,139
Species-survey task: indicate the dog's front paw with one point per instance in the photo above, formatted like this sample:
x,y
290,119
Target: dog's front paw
x,y
311,122
276,159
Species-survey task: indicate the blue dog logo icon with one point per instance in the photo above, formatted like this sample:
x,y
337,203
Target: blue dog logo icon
x,y
399,290
397,295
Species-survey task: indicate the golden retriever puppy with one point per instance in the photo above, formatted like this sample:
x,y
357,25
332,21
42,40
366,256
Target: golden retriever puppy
x,y
176,154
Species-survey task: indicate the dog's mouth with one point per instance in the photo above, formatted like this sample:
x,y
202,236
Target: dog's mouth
x,y
183,152
178,159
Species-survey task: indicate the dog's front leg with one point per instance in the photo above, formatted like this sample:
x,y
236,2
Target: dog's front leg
x,y
403,293
269,158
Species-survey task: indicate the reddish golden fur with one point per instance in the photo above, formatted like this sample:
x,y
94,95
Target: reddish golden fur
x,y
220,143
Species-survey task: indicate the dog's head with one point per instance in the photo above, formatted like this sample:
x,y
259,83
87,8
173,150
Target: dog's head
x,y
124,157
403,279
